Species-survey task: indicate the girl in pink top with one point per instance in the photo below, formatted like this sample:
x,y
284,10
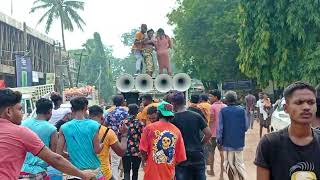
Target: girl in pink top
x,y
162,45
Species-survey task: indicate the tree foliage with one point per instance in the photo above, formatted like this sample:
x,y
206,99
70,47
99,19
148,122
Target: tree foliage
x,y
128,38
279,40
96,65
205,39
64,10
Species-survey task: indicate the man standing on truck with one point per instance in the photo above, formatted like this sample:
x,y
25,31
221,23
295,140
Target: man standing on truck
x,y
137,47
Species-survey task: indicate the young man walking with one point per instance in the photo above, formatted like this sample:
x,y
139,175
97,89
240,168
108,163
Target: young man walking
x,y
33,166
250,103
109,139
217,105
16,141
147,101
205,107
114,120
293,152
162,146
80,136
132,159
190,124
232,127
193,105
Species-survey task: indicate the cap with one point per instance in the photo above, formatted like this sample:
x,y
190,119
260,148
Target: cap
x,y
165,109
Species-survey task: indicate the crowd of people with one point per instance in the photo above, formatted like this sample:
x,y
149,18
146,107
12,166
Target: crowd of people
x,y
171,138
145,44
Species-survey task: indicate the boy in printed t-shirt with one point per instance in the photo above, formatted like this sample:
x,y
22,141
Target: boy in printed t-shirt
x,y
131,159
162,146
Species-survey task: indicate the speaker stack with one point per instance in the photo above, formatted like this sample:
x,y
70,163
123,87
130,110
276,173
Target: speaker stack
x,y
130,87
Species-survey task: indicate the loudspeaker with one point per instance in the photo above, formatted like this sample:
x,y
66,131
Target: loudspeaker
x,y
125,83
144,83
163,83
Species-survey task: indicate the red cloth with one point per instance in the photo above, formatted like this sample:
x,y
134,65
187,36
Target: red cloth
x,y
2,84
15,142
162,45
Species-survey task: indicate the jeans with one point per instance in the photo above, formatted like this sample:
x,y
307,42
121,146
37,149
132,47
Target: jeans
x,y
191,172
131,162
115,162
250,115
139,58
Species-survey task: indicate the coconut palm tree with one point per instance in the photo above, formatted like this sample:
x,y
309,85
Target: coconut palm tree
x,y
64,10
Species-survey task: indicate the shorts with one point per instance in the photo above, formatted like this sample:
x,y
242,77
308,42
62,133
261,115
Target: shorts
x,y
99,176
264,123
28,176
211,146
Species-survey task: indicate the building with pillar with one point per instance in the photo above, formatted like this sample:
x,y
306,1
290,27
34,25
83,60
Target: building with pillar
x,y
17,41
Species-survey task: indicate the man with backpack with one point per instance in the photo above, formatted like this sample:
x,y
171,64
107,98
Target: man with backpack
x,y
109,139
293,152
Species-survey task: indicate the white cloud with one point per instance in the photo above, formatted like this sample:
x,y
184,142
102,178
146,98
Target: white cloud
x,y
111,18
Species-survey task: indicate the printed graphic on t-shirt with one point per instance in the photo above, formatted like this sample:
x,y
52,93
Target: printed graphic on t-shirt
x,y
302,171
164,147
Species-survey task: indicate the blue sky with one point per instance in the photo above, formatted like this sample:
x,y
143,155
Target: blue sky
x,y
111,18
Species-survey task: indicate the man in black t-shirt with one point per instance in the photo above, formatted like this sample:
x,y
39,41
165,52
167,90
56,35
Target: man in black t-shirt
x,y
293,152
190,124
193,106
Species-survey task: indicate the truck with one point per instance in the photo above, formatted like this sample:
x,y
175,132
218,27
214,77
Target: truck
x,y
87,91
31,94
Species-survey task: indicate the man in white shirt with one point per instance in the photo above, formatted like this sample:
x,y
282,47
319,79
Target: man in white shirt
x,y
58,113
262,114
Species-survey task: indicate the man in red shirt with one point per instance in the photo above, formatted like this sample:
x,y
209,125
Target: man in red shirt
x,y
162,146
16,141
217,105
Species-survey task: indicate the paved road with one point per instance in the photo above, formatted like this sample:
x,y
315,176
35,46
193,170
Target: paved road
x,y
252,140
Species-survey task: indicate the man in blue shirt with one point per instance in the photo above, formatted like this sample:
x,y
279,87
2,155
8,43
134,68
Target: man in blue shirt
x,y
114,119
81,138
33,165
233,124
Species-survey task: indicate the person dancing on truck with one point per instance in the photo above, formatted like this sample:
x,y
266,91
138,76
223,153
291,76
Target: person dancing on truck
x,y
137,47
163,44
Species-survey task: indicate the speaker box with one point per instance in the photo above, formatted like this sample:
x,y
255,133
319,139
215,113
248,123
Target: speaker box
x,y
131,97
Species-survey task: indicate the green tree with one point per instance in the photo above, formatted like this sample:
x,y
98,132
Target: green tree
x,y
279,41
64,10
125,65
96,66
205,39
128,38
